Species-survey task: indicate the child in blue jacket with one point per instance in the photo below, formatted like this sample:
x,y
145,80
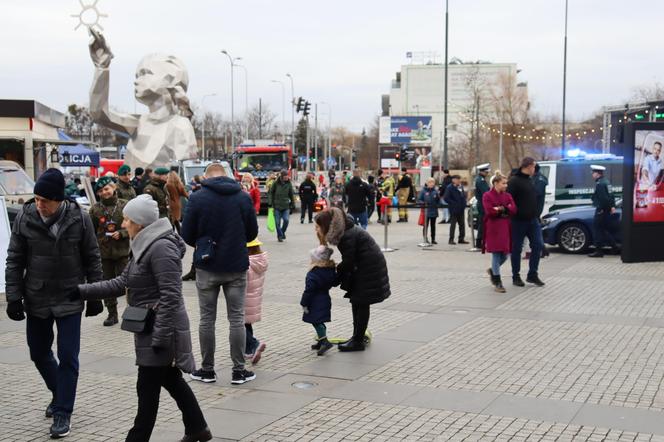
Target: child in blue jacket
x,y
316,302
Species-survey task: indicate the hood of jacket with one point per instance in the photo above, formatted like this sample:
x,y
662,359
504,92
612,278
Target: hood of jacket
x,y
146,237
222,185
258,263
337,226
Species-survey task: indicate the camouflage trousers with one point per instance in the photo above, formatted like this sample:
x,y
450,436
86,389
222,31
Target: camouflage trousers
x,y
112,268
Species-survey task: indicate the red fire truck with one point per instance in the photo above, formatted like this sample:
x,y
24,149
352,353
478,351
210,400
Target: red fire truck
x,y
262,159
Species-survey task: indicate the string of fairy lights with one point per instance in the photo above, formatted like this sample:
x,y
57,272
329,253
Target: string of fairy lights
x,y
535,134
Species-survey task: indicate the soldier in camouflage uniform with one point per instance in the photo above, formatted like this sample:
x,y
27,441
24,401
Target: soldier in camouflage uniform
x,y
113,240
156,188
125,189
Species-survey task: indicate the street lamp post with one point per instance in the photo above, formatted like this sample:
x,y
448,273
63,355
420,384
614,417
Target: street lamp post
x,y
246,100
564,81
232,61
292,113
447,22
283,106
203,108
329,134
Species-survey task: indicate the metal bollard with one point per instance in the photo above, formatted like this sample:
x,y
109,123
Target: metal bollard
x,y
385,247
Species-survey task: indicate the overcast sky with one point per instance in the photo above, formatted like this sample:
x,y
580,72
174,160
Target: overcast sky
x,y
342,52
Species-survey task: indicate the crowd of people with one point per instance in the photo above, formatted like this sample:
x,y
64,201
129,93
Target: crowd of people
x,y
64,261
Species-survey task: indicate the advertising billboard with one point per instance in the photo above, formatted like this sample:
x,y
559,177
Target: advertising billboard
x,y
411,130
643,193
648,203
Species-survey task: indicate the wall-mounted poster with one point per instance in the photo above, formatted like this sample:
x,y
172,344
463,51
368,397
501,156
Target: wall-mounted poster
x,y
648,203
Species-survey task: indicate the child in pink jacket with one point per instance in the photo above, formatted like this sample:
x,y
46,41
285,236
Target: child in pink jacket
x,y
253,300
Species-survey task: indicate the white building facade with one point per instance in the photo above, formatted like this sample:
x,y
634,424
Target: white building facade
x,y
419,89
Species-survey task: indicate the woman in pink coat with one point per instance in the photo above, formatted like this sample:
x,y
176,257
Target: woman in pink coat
x,y
499,207
254,299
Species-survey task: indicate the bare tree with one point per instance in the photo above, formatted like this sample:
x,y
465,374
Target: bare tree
x,y
261,122
510,102
651,92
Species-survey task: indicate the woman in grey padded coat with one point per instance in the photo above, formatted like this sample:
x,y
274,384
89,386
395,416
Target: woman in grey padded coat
x,y
152,279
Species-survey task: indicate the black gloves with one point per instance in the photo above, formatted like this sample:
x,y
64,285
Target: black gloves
x,y
15,310
93,308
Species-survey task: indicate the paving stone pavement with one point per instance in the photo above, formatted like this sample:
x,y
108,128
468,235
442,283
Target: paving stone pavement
x,y
580,359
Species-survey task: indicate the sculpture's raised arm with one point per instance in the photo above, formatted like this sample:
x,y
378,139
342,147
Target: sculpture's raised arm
x,y
99,110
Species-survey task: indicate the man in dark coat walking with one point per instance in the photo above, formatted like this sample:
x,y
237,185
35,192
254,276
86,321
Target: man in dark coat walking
x,y
357,198
220,220
605,206
525,223
52,249
455,197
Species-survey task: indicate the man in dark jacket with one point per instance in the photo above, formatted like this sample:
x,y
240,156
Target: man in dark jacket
x,y
219,221
280,197
525,223
455,197
605,206
540,182
481,187
137,181
308,196
52,249
446,181
357,198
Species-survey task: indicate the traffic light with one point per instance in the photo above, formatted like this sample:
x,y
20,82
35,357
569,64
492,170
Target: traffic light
x,y
397,156
300,104
404,152
306,108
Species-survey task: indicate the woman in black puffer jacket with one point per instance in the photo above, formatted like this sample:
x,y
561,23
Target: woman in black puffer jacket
x,y
362,271
152,279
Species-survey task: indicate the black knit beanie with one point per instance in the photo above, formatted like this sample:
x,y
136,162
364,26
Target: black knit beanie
x,y
51,185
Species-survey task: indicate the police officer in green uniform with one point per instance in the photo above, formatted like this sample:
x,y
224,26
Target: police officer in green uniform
x,y
113,240
605,206
156,188
481,187
125,190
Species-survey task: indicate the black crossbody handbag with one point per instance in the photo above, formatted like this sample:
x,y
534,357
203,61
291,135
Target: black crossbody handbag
x,y
138,319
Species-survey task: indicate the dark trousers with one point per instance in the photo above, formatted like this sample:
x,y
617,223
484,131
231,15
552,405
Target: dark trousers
x,y
457,218
251,343
432,227
601,234
148,387
61,377
480,230
371,208
307,206
361,315
533,231
112,268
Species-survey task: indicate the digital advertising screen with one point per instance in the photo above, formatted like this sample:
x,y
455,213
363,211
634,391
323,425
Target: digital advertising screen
x,y
648,199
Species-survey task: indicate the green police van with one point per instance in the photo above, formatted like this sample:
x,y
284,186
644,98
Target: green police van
x,y
571,183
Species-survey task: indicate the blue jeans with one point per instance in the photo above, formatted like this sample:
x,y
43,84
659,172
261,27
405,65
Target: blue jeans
x,y
281,220
60,377
497,260
532,230
361,219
